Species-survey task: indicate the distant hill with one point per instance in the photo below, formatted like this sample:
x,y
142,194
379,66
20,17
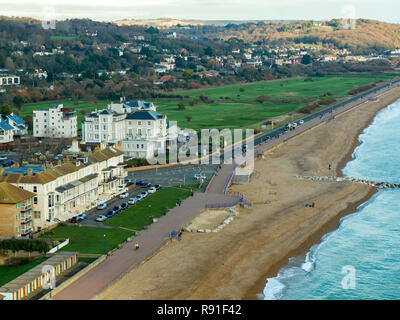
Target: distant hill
x,y
367,35
168,23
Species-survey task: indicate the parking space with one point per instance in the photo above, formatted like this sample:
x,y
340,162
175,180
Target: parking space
x,y
175,176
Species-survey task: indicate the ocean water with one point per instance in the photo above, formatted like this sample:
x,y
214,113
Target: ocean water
x,y
361,258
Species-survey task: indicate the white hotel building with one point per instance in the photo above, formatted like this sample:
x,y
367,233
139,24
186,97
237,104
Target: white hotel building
x,y
139,129
56,122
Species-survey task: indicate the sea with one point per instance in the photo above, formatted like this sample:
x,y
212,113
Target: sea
x,y
360,260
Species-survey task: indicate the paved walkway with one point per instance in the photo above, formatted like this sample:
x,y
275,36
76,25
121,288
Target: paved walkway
x,y
151,239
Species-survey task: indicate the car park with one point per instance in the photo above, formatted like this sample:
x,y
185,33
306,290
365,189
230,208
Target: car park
x,y
124,195
152,190
131,201
101,218
101,206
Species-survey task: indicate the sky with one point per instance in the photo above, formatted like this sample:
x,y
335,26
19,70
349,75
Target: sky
x,y
109,10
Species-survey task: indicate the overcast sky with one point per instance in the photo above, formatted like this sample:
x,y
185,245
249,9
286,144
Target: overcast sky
x,y
108,10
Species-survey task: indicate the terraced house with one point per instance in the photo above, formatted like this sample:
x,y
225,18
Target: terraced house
x,y
71,187
15,211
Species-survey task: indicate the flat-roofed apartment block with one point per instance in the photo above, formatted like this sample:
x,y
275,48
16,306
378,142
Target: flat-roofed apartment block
x,y
56,122
71,187
31,282
15,211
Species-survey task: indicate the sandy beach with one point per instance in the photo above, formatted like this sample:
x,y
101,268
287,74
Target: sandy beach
x,y
235,262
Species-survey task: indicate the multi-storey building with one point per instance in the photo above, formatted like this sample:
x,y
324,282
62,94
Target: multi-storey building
x,y
69,188
106,125
56,122
15,211
146,132
139,129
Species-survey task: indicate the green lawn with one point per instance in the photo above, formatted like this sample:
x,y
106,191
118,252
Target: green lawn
x,y
238,111
8,273
138,216
89,239
244,112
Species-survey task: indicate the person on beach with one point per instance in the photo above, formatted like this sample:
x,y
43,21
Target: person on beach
x,y
136,246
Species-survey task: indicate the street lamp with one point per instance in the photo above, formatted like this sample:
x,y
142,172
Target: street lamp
x,y
104,243
149,211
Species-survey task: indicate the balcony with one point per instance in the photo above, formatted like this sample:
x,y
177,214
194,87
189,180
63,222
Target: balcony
x,y
108,180
26,219
26,207
26,231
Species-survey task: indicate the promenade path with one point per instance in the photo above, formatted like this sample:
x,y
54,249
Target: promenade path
x,y
152,238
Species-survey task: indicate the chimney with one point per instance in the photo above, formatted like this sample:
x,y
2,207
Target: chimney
x,y
103,145
1,171
43,167
59,162
30,172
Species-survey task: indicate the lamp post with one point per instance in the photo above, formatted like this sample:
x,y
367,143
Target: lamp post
x,y
104,243
149,210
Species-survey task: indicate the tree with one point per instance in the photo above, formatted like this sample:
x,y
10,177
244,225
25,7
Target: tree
x,y
5,110
181,106
28,121
306,59
18,101
188,118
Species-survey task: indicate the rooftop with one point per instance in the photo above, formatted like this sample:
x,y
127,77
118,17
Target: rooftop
x,y
10,194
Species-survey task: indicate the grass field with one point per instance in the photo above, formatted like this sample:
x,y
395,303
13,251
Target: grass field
x,y
241,110
8,273
89,239
138,216
244,112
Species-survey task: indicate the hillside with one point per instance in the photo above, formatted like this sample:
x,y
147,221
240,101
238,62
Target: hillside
x,y
367,35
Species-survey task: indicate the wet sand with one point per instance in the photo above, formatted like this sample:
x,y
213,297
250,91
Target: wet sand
x,y
235,262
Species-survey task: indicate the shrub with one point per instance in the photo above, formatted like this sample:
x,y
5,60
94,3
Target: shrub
x,y
24,244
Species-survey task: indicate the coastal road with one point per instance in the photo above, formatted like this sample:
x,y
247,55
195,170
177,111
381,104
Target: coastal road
x,y
151,239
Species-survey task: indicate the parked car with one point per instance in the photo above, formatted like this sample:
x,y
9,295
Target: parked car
x,y
131,201
3,158
74,219
301,122
158,186
116,209
102,206
124,205
146,185
101,218
81,217
127,180
144,194
110,213
152,190
199,176
124,195
139,182
139,197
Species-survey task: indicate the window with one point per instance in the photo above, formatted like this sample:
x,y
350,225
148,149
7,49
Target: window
x,y
35,189
35,200
36,214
